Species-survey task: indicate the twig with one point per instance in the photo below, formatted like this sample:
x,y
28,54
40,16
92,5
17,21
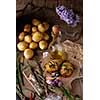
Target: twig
x,y
31,84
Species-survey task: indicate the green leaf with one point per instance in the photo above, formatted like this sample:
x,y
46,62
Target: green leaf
x,y
18,70
66,93
17,81
19,90
77,97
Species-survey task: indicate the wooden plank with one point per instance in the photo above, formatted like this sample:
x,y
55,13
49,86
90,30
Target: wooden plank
x,y
64,2
38,3
20,4
51,4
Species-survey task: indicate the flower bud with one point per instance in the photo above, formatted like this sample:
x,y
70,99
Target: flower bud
x,y
55,30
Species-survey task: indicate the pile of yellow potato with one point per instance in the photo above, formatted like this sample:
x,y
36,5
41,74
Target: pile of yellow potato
x,y
33,37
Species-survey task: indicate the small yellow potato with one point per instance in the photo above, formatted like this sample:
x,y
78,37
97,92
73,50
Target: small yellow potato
x,y
28,53
28,38
22,46
27,28
21,36
35,22
34,29
45,36
43,44
37,36
32,34
46,26
41,28
33,45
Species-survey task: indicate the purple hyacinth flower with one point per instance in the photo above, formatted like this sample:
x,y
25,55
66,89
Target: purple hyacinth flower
x,y
67,15
53,83
60,83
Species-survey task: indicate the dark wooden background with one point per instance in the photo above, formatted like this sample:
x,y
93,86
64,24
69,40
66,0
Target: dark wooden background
x,y
45,10
24,6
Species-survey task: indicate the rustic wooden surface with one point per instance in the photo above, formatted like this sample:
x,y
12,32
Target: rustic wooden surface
x,y
45,9
73,83
22,5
